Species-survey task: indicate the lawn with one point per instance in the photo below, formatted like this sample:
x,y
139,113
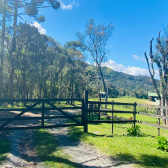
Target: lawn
x,y
141,151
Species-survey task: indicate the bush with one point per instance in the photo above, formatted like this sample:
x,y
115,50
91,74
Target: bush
x,y
162,143
134,131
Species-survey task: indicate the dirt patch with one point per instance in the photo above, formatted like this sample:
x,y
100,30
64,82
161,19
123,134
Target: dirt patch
x,y
150,102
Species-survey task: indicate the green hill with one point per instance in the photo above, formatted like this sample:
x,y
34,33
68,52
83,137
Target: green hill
x,y
126,84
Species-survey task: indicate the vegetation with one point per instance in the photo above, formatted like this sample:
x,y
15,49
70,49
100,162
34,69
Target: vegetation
x,y
160,60
5,147
50,153
139,150
134,131
94,41
162,143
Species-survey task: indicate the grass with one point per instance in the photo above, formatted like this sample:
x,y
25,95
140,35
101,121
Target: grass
x,y
139,150
49,151
4,150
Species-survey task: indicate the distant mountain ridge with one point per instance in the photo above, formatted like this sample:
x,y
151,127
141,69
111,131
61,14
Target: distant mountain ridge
x,y
128,82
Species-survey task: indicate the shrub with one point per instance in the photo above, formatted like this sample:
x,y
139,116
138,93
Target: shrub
x,y
162,143
134,131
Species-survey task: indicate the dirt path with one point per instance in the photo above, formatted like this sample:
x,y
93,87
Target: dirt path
x,y
85,155
22,153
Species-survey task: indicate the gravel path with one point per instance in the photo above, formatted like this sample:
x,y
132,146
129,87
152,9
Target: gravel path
x,y
85,155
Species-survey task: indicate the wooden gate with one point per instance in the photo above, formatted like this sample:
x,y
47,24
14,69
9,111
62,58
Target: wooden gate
x,y
41,107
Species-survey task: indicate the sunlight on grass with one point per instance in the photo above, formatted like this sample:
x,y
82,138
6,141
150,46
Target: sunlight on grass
x,y
50,153
139,150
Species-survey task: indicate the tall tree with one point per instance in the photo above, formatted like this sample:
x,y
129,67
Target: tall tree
x,y
30,8
94,41
160,59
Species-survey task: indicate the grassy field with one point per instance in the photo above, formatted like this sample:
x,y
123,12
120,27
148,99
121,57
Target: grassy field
x,y
139,150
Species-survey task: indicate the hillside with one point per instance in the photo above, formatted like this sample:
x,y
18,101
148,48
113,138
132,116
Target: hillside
x,y
125,81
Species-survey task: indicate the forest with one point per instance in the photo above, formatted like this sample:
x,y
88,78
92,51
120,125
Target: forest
x,y
43,68
34,65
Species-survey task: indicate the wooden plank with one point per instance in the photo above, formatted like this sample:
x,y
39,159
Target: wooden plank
x,y
68,116
151,106
17,116
34,100
114,111
38,118
42,114
153,115
112,115
38,127
134,114
115,103
153,125
86,111
109,121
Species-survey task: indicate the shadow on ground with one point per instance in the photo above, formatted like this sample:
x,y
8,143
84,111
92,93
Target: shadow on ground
x,y
144,160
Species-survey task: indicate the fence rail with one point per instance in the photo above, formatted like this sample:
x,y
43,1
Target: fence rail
x,y
42,109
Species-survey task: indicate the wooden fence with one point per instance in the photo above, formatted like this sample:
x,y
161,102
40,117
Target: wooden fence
x,y
101,110
42,109
158,126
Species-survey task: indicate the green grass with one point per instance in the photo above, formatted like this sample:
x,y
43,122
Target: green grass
x,y
139,150
50,153
4,150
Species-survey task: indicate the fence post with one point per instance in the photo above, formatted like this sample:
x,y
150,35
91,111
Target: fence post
x,y
158,128
86,111
112,116
83,113
42,120
134,114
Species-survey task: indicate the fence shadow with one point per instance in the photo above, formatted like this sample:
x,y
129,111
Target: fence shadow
x,y
146,160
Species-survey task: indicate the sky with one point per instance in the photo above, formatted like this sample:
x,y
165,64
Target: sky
x,y
136,23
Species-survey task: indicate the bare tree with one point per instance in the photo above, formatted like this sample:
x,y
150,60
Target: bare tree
x,y
94,41
160,59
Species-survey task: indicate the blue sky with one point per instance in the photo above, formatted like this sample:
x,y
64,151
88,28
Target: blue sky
x,y
135,21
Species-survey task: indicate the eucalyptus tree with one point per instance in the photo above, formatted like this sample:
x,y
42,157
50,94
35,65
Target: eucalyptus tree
x,y
76,65
94,41
5,16
30,8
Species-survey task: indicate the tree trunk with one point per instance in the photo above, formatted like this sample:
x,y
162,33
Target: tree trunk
x,y
12,54
104,85
2,50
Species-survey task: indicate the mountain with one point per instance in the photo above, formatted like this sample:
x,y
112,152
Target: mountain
x,y
128,82
123,81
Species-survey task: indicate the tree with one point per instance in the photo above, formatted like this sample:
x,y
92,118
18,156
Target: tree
x,y
30,8
160,59
94,41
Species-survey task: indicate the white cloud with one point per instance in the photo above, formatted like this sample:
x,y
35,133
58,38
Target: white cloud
x,y
66,6
129,70
38,26
136,57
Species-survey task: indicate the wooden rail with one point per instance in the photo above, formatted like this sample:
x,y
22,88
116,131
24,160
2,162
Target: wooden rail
x,y
99,110
158,126
42,109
